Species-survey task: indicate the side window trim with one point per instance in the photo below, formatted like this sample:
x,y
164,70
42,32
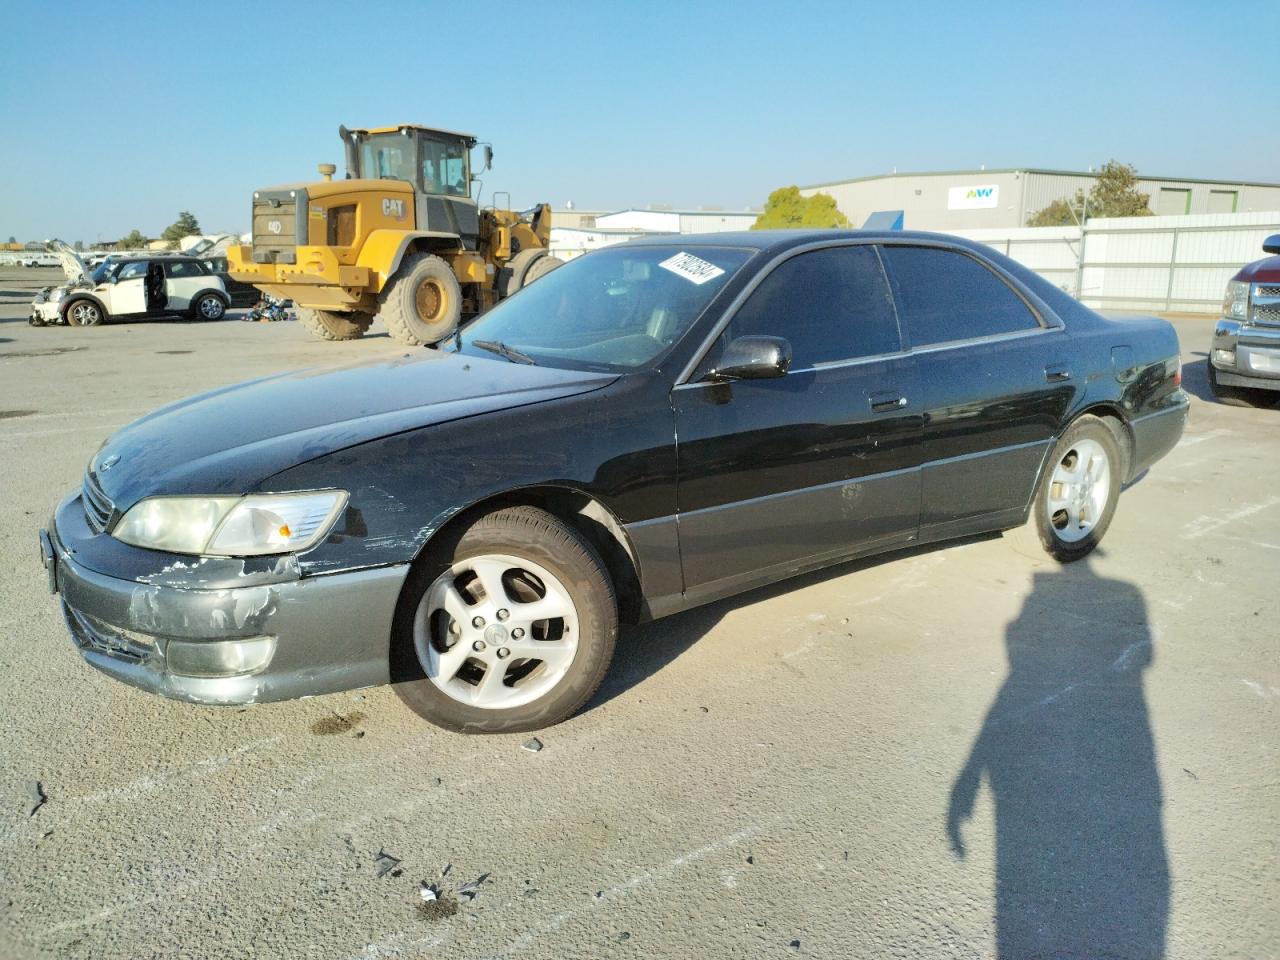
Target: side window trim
x,y
1043,325
745,293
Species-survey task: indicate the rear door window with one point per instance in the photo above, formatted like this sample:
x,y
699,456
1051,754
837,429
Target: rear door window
x,y
183,268
830,305
944,295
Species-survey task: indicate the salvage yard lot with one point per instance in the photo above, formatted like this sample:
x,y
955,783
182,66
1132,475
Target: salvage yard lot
x,y
772,775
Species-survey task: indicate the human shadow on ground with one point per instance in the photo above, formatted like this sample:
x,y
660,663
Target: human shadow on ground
x,y
1067,752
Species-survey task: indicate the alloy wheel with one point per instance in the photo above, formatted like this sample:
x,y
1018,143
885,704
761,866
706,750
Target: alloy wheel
x,y
1078,490
496,631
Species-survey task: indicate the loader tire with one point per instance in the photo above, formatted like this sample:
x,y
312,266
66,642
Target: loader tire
x,y
328,325
423,302
511,276
541,267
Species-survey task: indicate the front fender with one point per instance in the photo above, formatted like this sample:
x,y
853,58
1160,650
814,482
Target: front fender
x,y
82,295
383,251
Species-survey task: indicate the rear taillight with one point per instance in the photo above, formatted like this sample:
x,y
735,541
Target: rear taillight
x,y
1177,372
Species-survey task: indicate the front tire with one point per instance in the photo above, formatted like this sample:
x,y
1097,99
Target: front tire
x,y
509,625
1076,496
541,267
85,313
422,304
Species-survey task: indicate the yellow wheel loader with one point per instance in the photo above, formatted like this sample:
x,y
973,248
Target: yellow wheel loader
x,y
400,238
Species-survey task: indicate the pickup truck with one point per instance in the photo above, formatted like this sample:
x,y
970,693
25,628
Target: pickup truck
x,y
1244,362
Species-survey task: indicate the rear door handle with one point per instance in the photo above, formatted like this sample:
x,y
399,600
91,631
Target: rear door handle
x,y
885,402
1056,373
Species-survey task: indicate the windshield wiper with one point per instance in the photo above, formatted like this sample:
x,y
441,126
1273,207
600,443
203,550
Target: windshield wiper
x,y
502,350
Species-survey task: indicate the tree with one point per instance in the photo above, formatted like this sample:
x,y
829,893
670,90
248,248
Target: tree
x,y
1114,194
133,241
185,226
787,208
13,239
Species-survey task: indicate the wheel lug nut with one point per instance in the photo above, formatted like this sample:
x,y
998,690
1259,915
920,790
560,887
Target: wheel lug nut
x,y
478,646
477,622
517,633
503,614
503,653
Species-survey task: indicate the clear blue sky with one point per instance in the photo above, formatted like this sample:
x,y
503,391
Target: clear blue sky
x,y
117,116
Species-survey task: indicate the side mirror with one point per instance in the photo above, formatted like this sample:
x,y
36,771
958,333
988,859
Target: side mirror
x,y
488,156
753,358
1272,243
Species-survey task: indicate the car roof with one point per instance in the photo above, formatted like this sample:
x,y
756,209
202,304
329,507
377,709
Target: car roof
x,y
163,257
778,240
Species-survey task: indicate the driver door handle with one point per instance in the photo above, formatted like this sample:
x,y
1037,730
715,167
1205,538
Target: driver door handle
x,y
886,402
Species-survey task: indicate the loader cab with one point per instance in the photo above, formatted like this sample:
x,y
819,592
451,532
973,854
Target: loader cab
x,y
436,162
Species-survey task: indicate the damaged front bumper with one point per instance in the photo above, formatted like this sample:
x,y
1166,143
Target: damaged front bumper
x,y
44,312
296,637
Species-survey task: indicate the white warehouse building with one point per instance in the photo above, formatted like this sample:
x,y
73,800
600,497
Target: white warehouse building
x,y
970,199
574,232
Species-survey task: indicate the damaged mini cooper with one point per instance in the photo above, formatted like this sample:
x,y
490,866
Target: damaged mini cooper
x,y
134,287
653,426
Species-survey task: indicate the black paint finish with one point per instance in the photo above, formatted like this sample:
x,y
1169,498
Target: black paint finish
x,y
717,485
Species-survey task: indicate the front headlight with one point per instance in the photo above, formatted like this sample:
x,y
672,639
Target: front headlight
x,y
232,526
1235,304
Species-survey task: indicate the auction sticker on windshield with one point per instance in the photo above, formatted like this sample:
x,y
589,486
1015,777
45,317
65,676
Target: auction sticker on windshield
x,y
694,269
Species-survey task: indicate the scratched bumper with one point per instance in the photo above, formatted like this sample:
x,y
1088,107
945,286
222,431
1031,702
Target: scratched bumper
x,y
1156,434
318,634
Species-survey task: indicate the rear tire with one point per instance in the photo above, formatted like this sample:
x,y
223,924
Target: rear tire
x,y
422,304
1239,396
209,307
84,313
529,556
1076,495
328,325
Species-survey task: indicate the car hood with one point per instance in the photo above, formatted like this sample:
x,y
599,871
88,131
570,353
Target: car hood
x,y
233,440
1266,270
72,265
211,246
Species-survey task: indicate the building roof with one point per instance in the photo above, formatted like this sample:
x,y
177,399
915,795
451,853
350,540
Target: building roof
x,y
685,213
1037,170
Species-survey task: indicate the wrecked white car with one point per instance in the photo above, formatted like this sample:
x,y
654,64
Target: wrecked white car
x,y
130,287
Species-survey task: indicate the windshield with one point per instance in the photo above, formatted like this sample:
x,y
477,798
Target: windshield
x,y
387,156
615,309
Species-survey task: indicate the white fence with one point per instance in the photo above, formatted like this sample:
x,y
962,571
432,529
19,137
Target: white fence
x,y
1171,264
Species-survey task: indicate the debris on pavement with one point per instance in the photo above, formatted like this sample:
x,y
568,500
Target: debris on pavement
x,y
337,723
470,891
751,860
445,871
624,936
429,891
533,745
386,863
437,909
1190,774
795,944
38,797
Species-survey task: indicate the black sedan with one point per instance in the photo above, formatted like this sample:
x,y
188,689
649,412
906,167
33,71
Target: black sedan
x,y
656,425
